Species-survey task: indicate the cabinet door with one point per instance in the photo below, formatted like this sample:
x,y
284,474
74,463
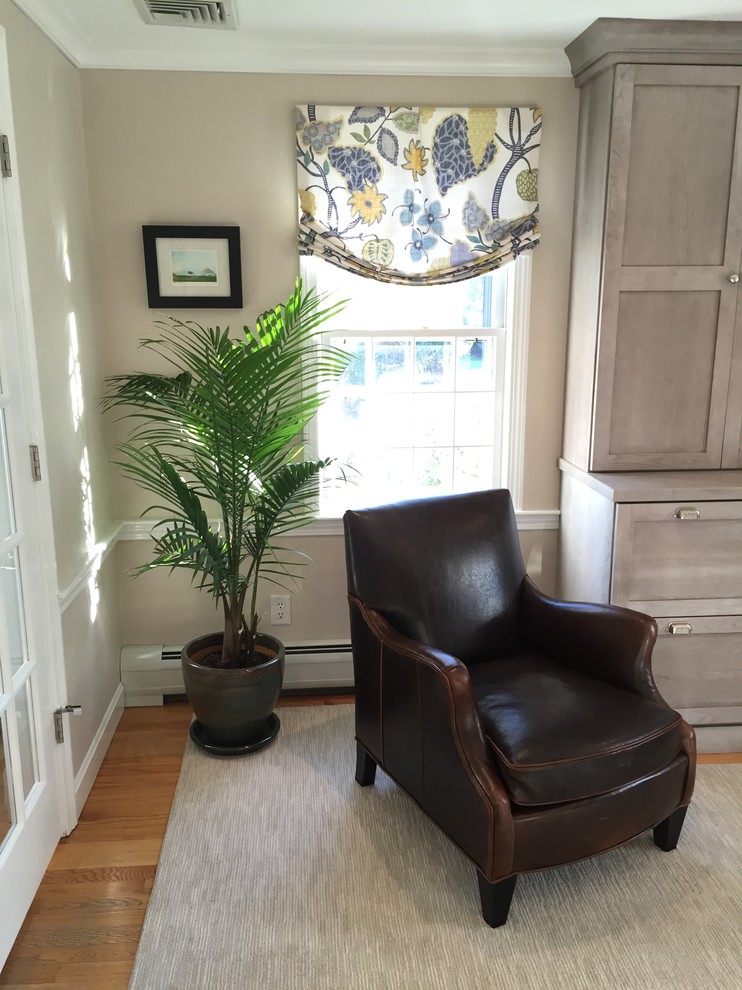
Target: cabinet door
x,y
673,236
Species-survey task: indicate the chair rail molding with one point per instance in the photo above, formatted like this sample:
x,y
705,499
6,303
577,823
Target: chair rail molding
x,y
527,519
66,596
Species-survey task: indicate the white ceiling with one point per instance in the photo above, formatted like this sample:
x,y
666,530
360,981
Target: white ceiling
x,y
441,37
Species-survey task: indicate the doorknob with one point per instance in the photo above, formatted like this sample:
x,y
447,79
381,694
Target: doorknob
x,y
734,278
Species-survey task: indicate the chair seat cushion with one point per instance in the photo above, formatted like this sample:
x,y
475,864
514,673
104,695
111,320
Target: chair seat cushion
x,y
559,735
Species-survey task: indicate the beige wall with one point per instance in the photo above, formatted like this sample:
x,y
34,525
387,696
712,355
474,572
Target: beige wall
x,y
101,152
51,167
92,645
159,608
45,90
163,608
218,148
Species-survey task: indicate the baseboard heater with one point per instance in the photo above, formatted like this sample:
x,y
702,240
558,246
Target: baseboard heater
x,y
152,673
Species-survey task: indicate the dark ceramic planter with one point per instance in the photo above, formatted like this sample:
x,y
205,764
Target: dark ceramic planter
x,y
233,708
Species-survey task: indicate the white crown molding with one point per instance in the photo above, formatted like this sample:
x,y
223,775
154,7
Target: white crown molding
x,y
58,27
341,60
202,51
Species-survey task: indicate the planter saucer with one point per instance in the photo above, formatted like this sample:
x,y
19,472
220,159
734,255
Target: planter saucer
x,y
199,737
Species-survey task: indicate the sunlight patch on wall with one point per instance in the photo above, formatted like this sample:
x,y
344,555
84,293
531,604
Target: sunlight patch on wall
x,y
75,373
94,550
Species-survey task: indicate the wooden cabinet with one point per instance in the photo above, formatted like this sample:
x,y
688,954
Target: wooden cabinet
x,y
654,360
668,544
656,305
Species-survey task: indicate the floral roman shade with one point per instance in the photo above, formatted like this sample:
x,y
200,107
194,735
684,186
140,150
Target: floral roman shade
x,y
417,195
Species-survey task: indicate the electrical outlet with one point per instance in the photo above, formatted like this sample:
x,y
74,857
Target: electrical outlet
x,y
280,610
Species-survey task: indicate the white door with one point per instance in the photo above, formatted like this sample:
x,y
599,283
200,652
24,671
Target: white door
x,y
33,787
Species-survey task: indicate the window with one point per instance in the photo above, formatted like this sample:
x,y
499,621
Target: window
x,y
423,409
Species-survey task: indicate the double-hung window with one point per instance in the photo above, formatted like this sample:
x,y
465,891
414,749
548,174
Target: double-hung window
x,y
426,405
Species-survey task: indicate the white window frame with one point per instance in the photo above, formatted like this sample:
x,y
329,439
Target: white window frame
x,y
514,400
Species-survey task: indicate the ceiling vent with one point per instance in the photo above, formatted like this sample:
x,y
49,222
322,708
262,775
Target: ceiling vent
x,y
189,13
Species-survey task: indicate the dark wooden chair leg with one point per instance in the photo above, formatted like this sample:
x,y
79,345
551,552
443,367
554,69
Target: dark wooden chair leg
x,y
496,898
667,833
365,767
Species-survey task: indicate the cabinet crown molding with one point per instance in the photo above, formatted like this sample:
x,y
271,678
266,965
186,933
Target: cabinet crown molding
x,y
610,40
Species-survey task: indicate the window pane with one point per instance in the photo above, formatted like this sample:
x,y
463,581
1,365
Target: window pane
x,y
475,419
476,302
433,470
475,363
355,373
434,419
386,421
384,476
434,364
393,364
7,817
473,469
351,423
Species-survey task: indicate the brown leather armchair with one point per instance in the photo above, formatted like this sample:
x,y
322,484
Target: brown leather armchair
x,y
530,730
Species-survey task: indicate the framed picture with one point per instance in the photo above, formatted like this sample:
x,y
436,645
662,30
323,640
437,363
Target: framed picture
x,y
197,267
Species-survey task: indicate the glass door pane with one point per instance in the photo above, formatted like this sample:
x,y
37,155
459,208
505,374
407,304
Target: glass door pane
x,y
7,816
12,607
26,739
6,502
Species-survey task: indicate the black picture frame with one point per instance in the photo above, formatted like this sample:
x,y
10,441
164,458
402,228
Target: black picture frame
x,y
194,267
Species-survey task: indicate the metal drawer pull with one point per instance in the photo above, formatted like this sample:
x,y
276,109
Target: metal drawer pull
x,y
687,512
680,628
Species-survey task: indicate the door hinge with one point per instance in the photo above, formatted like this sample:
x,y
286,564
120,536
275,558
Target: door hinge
x,y
5,167
35,462
59,721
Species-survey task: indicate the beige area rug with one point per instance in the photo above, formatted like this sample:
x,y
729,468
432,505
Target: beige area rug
x,y
279,873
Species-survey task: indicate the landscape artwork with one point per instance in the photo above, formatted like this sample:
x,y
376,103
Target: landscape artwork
x,y
187,266
193,266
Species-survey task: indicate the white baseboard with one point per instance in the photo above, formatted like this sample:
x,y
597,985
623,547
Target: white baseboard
x,y
151,673
87,773
719,738
318,669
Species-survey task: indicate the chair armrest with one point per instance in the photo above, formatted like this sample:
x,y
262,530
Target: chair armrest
x,y
430,737
604,641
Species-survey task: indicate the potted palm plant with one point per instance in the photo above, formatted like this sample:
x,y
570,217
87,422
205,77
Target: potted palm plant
x,y
222,435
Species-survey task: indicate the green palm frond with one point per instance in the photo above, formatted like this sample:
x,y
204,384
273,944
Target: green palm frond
x,y
226,428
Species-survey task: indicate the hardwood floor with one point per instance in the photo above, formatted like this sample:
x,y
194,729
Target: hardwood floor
x,y
83,928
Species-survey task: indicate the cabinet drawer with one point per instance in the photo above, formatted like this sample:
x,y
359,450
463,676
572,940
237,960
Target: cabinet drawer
x,y
699,672
676,558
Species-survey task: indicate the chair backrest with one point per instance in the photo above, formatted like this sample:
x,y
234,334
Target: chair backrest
x,y
444,571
